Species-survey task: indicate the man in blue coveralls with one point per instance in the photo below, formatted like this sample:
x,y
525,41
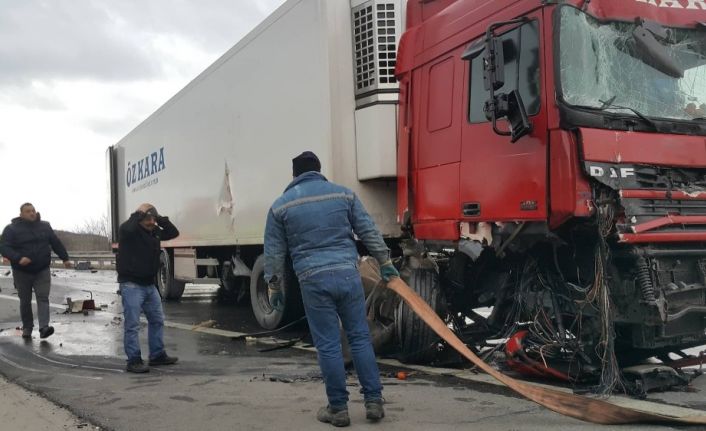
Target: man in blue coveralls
x,y
314,221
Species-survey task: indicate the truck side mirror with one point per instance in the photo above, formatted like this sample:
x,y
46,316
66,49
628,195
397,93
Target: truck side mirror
x,y
647,46
652,52
494,65
512,107
505,105
517,116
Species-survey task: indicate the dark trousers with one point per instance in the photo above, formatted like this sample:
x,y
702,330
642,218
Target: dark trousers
x,y
25,282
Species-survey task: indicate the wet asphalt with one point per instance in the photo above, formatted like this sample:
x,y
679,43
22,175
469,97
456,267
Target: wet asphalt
x,y
220,383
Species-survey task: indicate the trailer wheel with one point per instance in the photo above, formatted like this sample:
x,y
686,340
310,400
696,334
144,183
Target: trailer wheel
x,y
266,315
169,288
417,341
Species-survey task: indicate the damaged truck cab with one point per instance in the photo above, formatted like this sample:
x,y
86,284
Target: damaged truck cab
x,y
552,162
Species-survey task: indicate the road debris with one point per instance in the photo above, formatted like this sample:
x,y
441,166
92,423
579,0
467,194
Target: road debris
x,y
654,377
205,324
578,407
83,266
82,306
288,344
285,378
268,333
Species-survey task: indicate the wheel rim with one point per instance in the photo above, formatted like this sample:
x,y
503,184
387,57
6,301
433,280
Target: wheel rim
x,y
163,280
263,297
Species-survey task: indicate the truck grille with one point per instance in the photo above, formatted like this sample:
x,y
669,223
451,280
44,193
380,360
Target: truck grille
x,y
649,177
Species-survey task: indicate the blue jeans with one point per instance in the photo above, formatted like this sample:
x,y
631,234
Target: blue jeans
x,y
136,299
327,296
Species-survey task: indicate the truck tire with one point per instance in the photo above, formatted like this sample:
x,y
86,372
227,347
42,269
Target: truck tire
x,y
416,339
266,315
169,288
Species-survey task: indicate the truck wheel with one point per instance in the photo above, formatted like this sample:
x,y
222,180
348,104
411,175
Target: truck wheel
x,y
417,341
266,315
169,288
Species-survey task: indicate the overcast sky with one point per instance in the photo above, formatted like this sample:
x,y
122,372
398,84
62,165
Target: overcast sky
x,y
78,75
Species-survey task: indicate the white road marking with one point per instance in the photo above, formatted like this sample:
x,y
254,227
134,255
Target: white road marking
x,y
33,370
14,298
87,367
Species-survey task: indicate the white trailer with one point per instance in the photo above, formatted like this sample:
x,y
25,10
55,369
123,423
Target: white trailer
x,y
315,75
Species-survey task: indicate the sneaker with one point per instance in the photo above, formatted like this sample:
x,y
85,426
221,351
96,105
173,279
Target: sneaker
x,y
46,331
337,418
163,359
374,411
27,333
137,367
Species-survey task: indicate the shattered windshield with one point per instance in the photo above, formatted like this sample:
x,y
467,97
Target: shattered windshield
x,y
601,69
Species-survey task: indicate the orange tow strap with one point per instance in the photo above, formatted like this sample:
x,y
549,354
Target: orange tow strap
x,y
575,406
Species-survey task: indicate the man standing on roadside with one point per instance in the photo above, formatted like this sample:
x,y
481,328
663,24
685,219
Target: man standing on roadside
x,y
314,221
27,242
138,263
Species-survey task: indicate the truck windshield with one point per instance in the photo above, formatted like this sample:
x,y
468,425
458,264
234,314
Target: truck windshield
x,y
600,68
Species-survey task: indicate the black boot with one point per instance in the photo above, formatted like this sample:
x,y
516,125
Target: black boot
x,y
137,366
46,331
337,418
374,410
163,359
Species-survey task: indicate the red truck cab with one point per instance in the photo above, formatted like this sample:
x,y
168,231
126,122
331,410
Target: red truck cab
x,y
552,154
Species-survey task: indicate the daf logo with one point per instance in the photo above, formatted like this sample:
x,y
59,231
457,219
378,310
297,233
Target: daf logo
x,y
676,4
600,172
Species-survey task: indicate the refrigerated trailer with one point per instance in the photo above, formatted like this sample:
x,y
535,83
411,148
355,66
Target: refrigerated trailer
x,y
547,160
218,153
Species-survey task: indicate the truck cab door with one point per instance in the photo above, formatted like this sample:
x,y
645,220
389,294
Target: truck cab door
x,y
500,180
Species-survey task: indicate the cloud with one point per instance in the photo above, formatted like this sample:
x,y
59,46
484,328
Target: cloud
x,y
33,96
55,40
78,75
113,40
113,126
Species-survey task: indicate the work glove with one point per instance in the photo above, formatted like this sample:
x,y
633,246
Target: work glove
x,y
274,290
388,271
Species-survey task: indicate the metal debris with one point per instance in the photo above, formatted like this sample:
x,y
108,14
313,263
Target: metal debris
x,y
285,378
286,345
205,324
82,306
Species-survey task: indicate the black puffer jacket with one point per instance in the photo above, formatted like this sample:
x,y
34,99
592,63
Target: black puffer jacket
x,y
32,239
138,249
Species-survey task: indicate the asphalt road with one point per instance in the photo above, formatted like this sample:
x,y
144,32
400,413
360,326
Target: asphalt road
x,y
224,384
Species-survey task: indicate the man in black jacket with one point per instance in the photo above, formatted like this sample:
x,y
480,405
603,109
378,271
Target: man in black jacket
x,y
27,242
138,264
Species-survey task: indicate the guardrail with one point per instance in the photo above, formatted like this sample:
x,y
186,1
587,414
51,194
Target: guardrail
x,y
87,260
83,260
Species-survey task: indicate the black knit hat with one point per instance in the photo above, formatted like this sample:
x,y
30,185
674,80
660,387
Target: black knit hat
x,y
305,162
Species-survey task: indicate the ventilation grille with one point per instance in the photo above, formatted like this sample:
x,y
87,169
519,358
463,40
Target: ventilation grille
x,y
376,31
364,39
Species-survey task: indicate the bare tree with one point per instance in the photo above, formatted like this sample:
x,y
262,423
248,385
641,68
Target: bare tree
x,y
92,235
95,226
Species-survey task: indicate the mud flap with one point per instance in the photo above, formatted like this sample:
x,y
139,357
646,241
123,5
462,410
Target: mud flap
x,y
575,406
